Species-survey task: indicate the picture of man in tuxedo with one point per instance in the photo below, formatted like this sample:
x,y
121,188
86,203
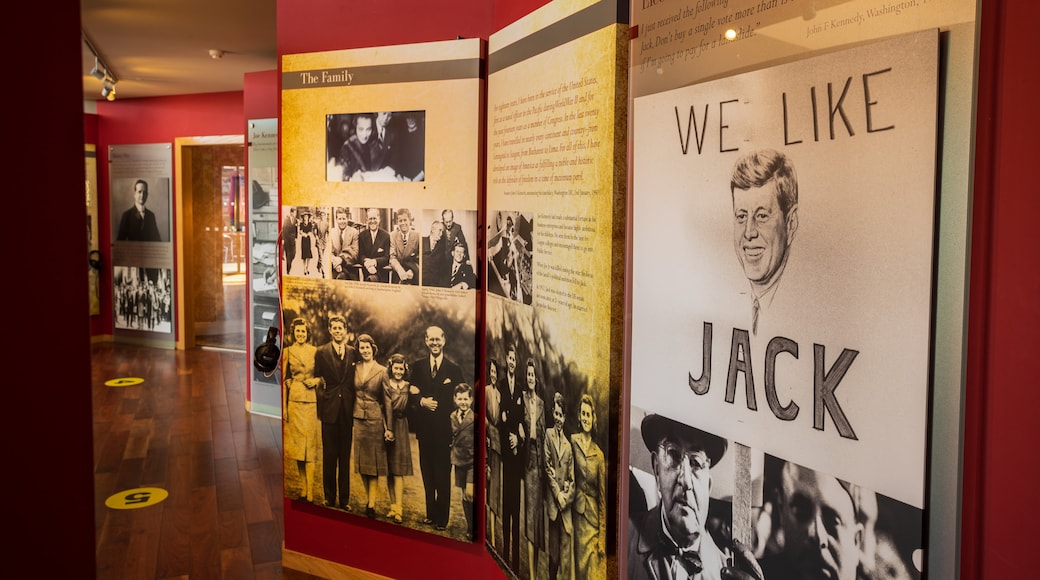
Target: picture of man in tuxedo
x,y
374,249
511,432
404,249
461,277
435,257
137,223
334,365
344,251
453,232
435,377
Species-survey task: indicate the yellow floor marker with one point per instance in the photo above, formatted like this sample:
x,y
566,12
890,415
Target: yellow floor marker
x,y
132,499
124,382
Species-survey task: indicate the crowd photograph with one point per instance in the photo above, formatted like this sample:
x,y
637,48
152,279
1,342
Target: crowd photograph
x,y
143,298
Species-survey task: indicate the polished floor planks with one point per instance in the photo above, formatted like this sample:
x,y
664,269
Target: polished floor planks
x,y
184,429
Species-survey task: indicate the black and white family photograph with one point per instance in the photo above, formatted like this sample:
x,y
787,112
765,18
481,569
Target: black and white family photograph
x,y
547,446
392,246
377,146
141,209
143,298
304,236
378,405
447,236
509,255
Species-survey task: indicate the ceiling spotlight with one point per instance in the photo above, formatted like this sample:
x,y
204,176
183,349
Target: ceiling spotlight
x,y
96,72
108,89
216,53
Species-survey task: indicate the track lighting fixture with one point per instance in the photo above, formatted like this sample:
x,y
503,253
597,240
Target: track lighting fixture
x,y
108,89
102,72
96,72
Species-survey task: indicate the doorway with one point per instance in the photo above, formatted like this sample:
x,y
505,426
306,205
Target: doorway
x,y
212,184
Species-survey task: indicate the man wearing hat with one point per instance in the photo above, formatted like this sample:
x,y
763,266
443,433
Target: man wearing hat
x,y
669,542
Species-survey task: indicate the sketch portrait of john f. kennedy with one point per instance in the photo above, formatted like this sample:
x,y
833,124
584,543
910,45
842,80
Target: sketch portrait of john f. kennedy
x,y
764,190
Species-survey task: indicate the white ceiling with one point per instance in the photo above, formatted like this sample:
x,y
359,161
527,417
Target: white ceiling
x,y
161,47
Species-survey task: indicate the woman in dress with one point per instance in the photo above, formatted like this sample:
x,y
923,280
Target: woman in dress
x,y
298,406
534,470
372,416
399,444
590,483
306,242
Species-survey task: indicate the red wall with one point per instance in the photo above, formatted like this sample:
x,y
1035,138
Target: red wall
x,y
320,25
1001,459
260,95
145,121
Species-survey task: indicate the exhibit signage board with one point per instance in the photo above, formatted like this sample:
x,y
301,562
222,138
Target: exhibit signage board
x,y
783,261
381,168
262,194
94,259
556,150
676,45
142,255
681,43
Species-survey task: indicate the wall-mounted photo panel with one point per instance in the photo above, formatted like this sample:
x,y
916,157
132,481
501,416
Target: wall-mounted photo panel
x,y
374,429
264,260
139,182
553,242
783,248
377,145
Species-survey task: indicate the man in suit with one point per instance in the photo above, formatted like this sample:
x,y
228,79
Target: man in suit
x,y
461,277
374,249
764,191
138,222
288,235
409,154
453,231
435,257
670,541
559,470
334,365
511,431
344,247
404,249
435,377
384,145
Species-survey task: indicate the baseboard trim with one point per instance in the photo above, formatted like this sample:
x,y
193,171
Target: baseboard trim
x,y
323,568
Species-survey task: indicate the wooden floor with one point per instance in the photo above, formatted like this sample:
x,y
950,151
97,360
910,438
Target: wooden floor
x,y
184,429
